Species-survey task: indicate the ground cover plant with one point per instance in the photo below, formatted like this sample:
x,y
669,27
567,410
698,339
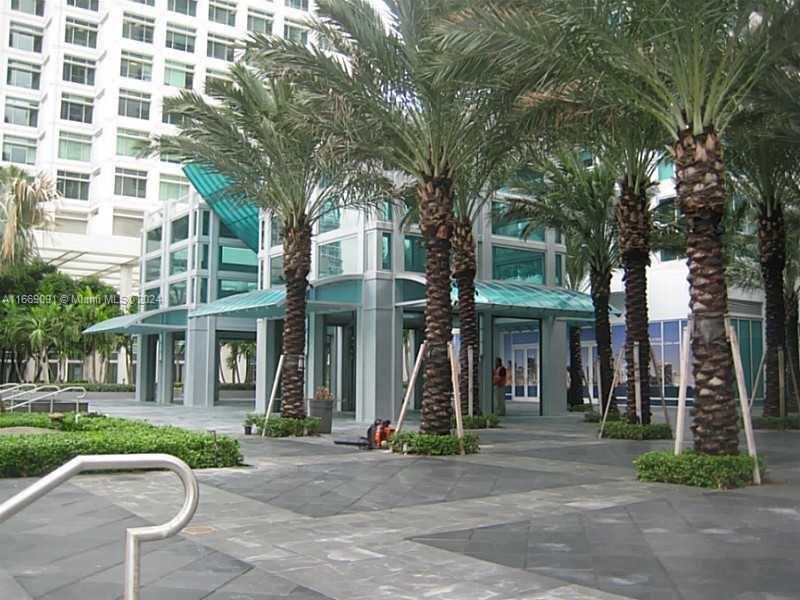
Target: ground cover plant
x,y
278,426
621,430
721,471
35,455
477,422
777,423
433,445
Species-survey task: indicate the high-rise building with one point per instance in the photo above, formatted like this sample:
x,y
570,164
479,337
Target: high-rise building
x,y
83,83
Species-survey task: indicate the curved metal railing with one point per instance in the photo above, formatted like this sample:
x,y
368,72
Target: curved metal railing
x,y
135,535
52,396
16,388
31,390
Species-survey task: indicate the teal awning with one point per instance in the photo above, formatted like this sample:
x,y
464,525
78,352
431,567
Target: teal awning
x,y
238,215
153,321
268,304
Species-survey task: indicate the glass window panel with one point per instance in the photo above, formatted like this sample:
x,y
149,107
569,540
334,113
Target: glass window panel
x,y
180,229
78,70
130,182
559,270
185,7
330,219
24,37
138,28
512,227
297,4
80,33
129,141
414,254
222,12
180,38
171,188
32,7
220,47
177,293
276,232
152,268
74,186
295,33
76,108
19,111
229,287
386,251
276,270
237,259
151,298
666,169
136,66
338,258
259,22
517,265
84,4
178,261
19,150
179,75
74,146
154,239
134,104
22,74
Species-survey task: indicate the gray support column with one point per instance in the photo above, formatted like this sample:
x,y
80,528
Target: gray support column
x,y
314,353
145,368
165,368
200,378
553,352
262,387
379,336
125,286
486,368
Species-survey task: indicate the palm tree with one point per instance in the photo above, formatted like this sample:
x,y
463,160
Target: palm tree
x,y
258,133
378,88
581,202
22,209
575,271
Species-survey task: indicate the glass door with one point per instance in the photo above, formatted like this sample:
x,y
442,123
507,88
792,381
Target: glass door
x,y
525,372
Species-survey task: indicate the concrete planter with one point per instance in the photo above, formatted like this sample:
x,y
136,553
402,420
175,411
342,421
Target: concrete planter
x,y
324,410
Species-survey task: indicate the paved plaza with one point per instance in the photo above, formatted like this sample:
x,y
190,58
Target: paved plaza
x,y
544,512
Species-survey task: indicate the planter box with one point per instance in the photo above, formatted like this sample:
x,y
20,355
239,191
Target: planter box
x,y
324,410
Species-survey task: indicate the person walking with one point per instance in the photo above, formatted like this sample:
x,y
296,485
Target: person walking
x,y
499,383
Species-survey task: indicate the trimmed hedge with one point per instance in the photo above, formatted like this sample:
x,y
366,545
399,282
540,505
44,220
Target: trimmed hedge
x,y
477,422
14,419
595,417
409,442
699,470
103,387
278,426
621,430
35,455
581,408
777,423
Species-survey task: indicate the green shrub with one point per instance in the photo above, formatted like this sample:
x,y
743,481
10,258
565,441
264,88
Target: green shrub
x,y
34,455
433,445
777,423
595,417
278,426
103,387
700,470
26,420
622,430
581,408
477,422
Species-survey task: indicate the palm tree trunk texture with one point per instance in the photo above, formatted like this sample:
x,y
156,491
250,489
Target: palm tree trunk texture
x,y
464,271
700,172
296,266
792,345
634,239
772,256
436,225
575,392
600,282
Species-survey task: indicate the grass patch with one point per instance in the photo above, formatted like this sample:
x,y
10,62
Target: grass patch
x,y
278,426
621,430
35,455
477,422
433,445
777,423
698,470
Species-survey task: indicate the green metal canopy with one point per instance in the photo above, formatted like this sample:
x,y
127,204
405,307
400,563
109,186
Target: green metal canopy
x,y
268,304
153,321
238,215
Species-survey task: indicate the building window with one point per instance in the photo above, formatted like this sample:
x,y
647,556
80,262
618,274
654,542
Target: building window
x,y
215,78
559,270
25,37
80,33
202,290
259,22
229,287
185,7
19,150
297,4
76,108
505,226
74,146
179,75
130,141
220,47
84,4
130,182
180,229
330,259
276,276
32,7
138,28
22,74
173,118
79,70
134,104
172,187
21,112
177,293
152,268
242,260
180,38
178,261
414,254
385,213
330,219
74,186
514,264
222,12
666,169
386,251
145,2
202,255
295,33
153,239
136,66
276,232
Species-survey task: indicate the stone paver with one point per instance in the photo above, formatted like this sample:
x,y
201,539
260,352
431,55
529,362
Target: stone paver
x,y
546,512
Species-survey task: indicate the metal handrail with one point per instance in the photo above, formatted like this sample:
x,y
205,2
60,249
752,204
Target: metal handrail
x,y
52,395
134,535
32,390
13,387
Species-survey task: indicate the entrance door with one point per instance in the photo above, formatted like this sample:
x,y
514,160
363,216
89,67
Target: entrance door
x,y
525,372
589,361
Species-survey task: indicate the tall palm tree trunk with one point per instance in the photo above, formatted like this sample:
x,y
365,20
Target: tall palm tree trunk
x,y
600,283
296,266
772,256
634,239
792,344
700,172
575,392
464,271
436,224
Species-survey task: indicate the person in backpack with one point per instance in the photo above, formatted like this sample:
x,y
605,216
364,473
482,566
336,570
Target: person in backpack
x,y
499,384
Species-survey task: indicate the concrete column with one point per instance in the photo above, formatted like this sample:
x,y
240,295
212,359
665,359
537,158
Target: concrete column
x,y
378,346
145,368
200,376
314,353
165,368
268,352
125,287
553,350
